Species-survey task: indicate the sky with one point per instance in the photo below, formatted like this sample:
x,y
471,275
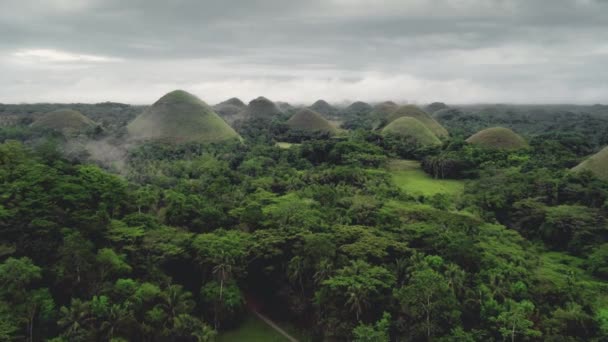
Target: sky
x,y
416,51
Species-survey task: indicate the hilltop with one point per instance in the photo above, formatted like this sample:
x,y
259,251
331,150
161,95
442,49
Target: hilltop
x,y
597,164
420,115
309,120
498,138
412,130
323,108
180,117
66,121
357,108
260,108
381,112
230,109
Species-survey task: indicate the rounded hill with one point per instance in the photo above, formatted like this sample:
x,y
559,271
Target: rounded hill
x,y
420,115
261,108
597,164
357,108
498,138
229,109
180,117
323,108
66,121
412,130
309,120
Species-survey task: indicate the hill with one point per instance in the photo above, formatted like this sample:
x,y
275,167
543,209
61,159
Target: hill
x,y
309,120
66,121
381,112
498,138
180,117
230,109
435,106
412,130
357,108
597,164
420,115
323,108
261,108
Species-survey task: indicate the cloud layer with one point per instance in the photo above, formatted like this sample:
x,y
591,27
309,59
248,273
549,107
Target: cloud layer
x,y
457,51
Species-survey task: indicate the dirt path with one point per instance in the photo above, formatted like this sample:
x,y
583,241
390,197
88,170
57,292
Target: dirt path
x,y
274,326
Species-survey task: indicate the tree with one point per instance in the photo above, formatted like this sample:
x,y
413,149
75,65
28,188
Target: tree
x,y
373,333
515,320
429,301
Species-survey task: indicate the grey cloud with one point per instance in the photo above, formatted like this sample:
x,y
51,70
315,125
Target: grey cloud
x,y
520,51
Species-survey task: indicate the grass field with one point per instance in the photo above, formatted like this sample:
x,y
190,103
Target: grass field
x,y
285,144
409,176
252,329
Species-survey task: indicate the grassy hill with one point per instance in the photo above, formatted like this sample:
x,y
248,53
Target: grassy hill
x,y
180,117
357,108
420,115
230,109
261,108
323,108
309,120
498,138
597,164
381,112
66,121
413,130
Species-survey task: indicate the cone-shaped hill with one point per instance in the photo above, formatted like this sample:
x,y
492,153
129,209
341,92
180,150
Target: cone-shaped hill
x,y
323,108
381,112
498,138
411,130
309,120
597,164
230,109
261,108
357,108
284,106
66,121
180,117
420,115
435,106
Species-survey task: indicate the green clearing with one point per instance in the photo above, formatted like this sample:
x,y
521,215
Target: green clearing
x,y
285,144
410,177
252,329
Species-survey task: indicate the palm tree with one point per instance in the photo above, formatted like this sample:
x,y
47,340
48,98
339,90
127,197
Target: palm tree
x,y
176,301
223,270
356,299
75,319
325,269
295,271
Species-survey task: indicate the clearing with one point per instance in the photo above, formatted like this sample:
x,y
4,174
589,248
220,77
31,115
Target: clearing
x,y
410,177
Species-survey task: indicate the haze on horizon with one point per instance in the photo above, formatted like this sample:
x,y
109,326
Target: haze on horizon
x,y
456,51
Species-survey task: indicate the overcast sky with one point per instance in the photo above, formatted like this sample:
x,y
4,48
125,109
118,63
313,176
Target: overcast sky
x,y
456,51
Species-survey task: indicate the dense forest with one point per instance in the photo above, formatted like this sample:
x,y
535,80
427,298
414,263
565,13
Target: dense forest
x,y
316,230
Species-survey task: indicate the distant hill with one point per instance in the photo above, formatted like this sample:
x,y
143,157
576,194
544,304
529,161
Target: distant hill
x,y
261,108
435,106
597,164
381,112
324,108
420,115
284,106
309,120
230,109
180,117
66,121
412,130
498,138
357,108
